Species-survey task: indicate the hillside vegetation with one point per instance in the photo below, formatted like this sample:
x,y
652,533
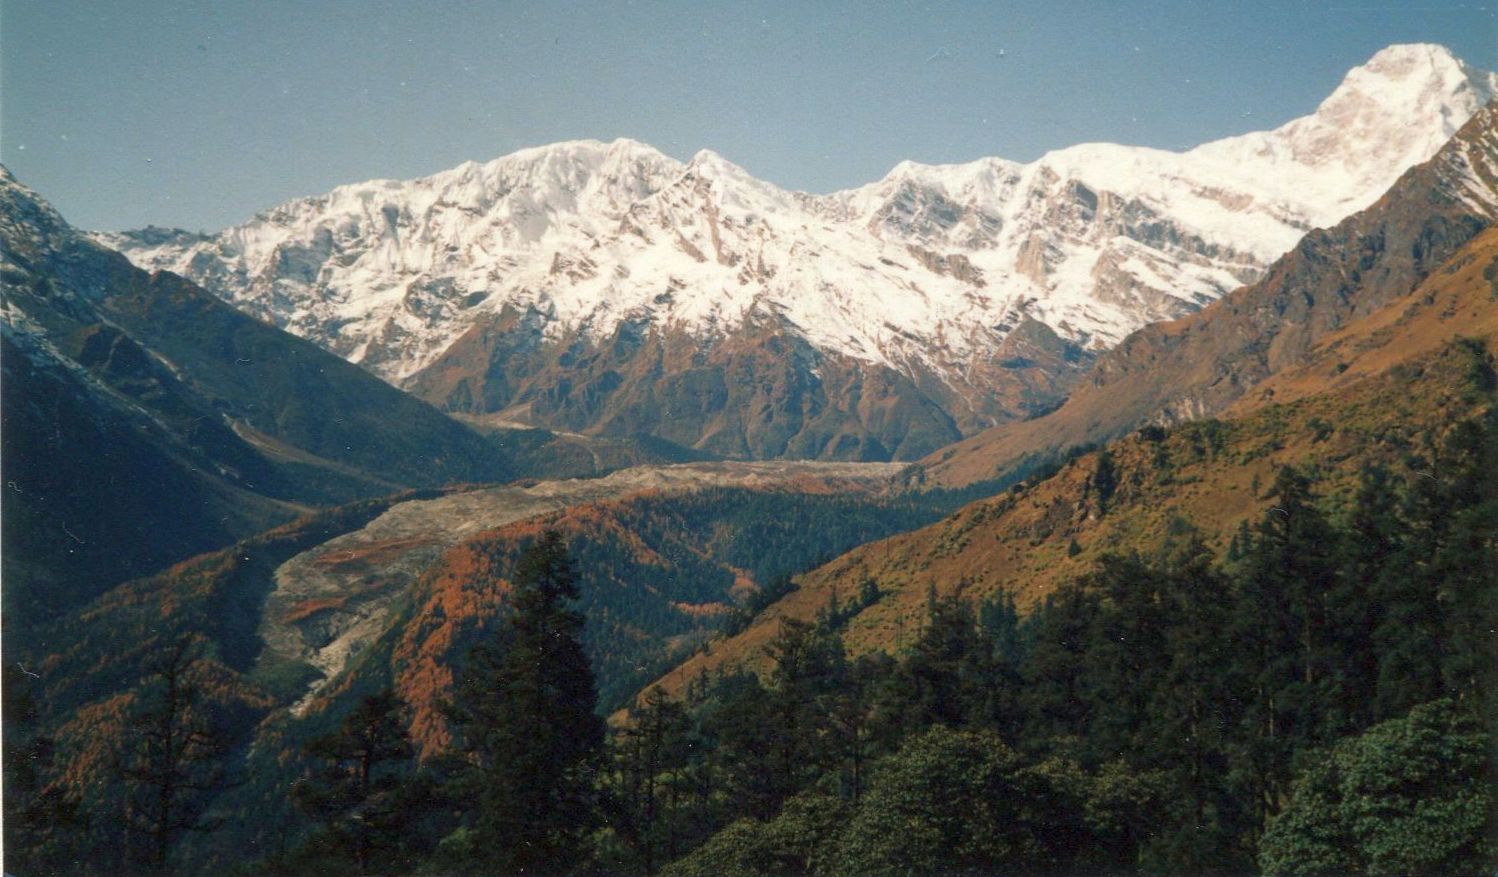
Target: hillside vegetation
x,y
660,570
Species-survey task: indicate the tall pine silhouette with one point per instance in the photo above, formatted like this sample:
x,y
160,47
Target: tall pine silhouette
x,y
526,717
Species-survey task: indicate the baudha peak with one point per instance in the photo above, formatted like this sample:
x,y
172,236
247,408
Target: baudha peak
x,y
605,287
1387,115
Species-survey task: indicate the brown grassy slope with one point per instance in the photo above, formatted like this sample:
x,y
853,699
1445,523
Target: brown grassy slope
x,y
1375,390
1199,365
1459,300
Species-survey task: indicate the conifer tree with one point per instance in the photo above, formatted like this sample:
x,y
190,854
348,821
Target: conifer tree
x,y
528,728
740,721
952,676
1186,731
852,726
998,618
1407,629
1464,564
355,793
808,668
1369,560
1283,586
647,792
1125,657
1053,694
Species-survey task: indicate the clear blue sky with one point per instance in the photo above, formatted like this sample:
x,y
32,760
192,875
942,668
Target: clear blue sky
x,y
199,114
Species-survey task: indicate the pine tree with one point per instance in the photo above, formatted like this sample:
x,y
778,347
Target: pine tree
x,y
952,675
1053,692
1125,656
1369,549
528,728
355,793
852,727
1407,627
808,667
740,721
1465,567
1283,586
647,791
1186,732
998,618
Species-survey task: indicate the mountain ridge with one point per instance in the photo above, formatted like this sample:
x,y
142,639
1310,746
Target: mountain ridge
x,y
918,280
146,420
1361,398
1200,364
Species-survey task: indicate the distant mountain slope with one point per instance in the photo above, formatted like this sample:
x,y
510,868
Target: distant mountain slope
x,y
1199,365
596,288
1383,390
146,421
97,492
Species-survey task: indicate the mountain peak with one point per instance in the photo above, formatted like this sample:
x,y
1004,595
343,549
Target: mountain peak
x,y
1411,83
1401,60
1394,111
27,221
710,163
1389,114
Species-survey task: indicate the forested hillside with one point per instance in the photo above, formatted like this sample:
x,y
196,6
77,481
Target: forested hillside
x,y
659,571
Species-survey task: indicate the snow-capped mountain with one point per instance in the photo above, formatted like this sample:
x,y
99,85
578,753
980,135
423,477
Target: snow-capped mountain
x,y
609,288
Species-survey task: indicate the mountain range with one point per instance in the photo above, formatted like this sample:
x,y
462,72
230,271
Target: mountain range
x,y
315,446
1198,365
609,290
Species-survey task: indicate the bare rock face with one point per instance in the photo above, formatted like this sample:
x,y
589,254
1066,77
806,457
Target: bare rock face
x,y
761,393
586,285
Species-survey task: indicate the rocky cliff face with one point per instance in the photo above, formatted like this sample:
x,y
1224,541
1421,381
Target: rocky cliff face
x,y
580,285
